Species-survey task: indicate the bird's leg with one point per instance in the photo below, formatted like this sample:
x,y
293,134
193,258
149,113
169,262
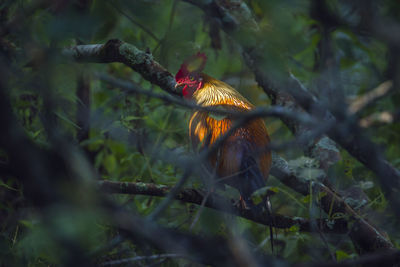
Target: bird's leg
x,y
241,204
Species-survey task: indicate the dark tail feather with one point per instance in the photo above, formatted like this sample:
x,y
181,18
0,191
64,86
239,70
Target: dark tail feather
x,y
268,207
252,179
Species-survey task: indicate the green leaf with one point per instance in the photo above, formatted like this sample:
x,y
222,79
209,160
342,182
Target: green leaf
x,y
61,116
321,195
131,118
341,255
7,186
306,199
26,223
110,163
258,195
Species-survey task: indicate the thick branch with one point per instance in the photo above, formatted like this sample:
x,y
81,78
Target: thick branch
x,y
367,237
118,51
217,202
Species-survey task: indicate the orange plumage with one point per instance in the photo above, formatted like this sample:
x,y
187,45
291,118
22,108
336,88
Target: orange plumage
x,y
243,160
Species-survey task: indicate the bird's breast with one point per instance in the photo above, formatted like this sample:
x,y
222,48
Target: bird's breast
x,y
249,139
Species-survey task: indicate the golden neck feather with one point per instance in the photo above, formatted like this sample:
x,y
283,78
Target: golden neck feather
x,y
215,92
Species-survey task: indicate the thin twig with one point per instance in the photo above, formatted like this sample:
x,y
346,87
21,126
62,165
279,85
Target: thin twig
x,y
383,117
135,22
370,97
202,205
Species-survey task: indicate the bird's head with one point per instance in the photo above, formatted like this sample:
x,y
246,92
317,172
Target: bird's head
x,y
189,75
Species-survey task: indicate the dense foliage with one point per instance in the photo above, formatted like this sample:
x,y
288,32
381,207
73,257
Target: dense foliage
x,y
68,123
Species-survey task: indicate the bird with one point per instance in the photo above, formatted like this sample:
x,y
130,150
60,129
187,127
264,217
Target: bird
x,y
242,160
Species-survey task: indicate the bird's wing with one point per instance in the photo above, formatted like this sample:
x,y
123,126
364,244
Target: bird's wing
x,y
240,160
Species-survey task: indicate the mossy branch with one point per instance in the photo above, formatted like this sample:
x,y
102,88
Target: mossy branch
x,y
118,51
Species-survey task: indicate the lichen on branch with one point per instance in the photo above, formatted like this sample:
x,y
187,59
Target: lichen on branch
x,y
117,51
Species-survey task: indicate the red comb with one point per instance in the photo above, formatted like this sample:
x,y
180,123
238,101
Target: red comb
x,y
195,63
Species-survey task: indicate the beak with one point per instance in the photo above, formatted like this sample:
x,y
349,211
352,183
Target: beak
x,y
177,85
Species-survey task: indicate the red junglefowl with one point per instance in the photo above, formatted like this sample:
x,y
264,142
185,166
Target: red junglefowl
x,y
242,161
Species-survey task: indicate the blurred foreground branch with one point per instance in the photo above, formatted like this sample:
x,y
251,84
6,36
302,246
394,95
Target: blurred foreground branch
x,y
214,251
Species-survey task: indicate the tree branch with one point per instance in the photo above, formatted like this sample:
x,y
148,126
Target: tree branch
x,y
214,201
118,51
366,236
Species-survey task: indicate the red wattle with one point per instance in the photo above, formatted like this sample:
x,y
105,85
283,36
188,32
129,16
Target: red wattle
x,y
185,92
